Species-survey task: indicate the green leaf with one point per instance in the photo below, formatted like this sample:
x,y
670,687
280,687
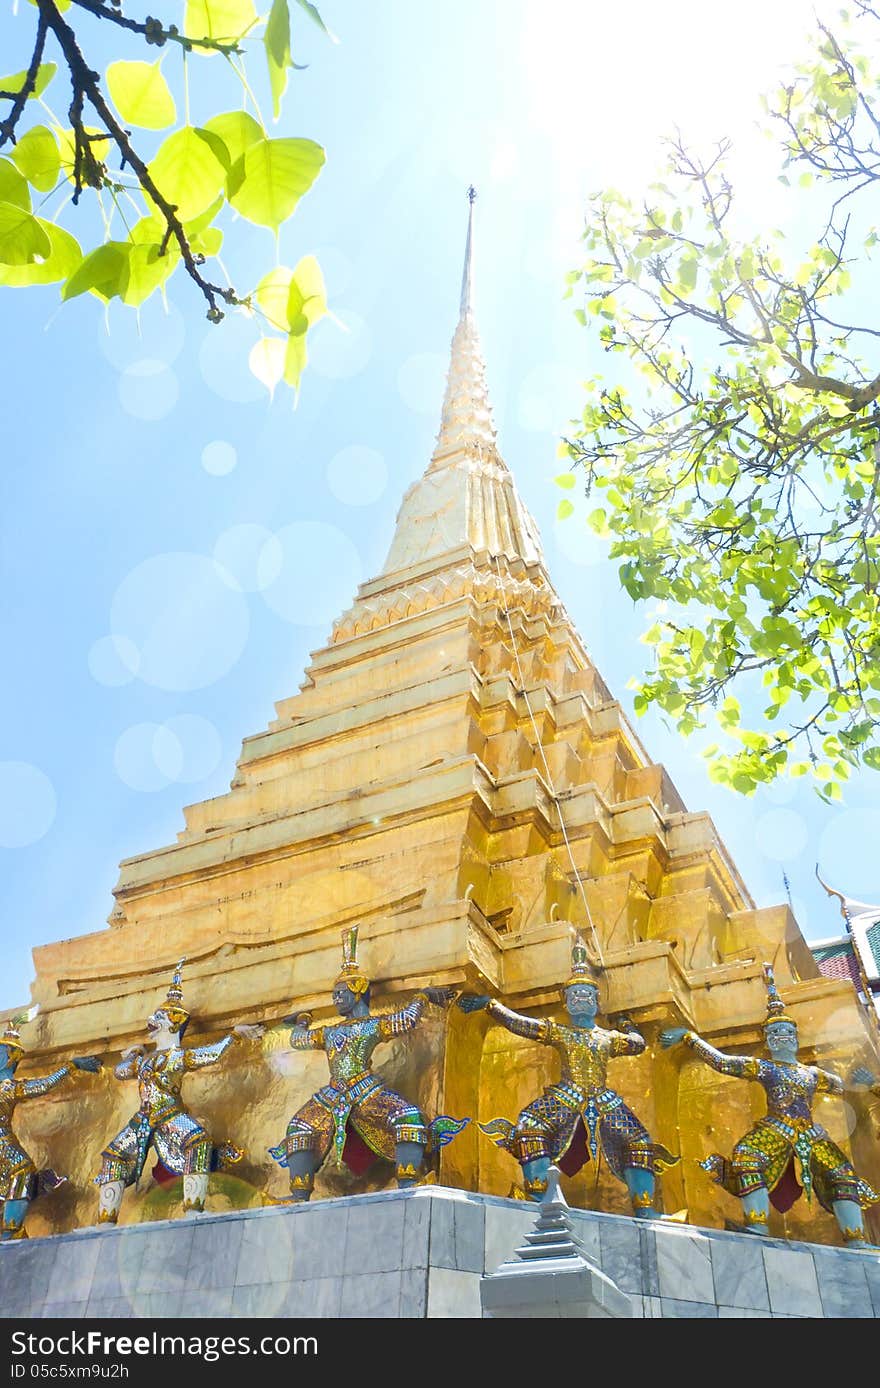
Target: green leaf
x,y
36,156
187,171
149,231
272,294
102,272
687,272
22,237
306,298
216,146
145,271
64,256
267,361
295,359
565,508
277,41
566,480
269,179
141,95
314,15
67,147
237,130
293,300
13,187
14,83
196,224
207,242
225,21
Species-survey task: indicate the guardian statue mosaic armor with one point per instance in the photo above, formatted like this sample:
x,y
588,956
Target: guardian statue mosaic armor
x,y
356,1113
182,1145
786,1142
20,1181
566,1125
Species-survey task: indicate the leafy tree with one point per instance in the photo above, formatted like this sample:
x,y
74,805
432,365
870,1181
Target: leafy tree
x,y
739,478
163,202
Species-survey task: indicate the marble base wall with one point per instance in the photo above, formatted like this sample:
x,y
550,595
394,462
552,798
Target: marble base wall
x,y
417,1253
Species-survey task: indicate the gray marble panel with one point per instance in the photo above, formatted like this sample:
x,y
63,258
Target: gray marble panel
x,y
871,1264
648,1258
290,1263
738,1267
259,1299
688,1310
453,1294
843,1286
319,1296
413,1293
505,1227
215,1305
374,1238
621,1258
194,1305
417,1213
319,1242
791,1282
25,1270
72,1269
165,1257
458,1234
110,1308
684,1265
118,1267
266,1251
441,1245
213,1253
370,1296
63,1310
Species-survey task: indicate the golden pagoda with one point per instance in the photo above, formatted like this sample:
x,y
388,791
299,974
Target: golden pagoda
x,y
455,777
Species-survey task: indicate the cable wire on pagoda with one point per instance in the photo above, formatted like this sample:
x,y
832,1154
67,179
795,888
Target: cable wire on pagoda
x,y
599,961
465,332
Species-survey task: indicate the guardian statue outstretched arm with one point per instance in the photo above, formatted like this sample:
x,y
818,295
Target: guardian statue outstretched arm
x,y
787,1142
567,1124
356,1113
162,1122
20,1181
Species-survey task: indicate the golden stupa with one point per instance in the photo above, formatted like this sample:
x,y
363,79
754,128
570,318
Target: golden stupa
x,y
455,776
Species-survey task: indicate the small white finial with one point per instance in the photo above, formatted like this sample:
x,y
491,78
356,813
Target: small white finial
x,y
553,1194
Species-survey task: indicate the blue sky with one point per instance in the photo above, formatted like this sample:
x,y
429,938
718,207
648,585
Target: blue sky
x,y
135,456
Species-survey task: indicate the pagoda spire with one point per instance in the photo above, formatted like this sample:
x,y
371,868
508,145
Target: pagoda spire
x,y
466,423
467,496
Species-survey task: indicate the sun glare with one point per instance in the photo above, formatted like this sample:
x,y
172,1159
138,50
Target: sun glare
x,y
603,93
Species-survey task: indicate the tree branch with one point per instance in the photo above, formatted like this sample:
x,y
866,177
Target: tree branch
x,y
19,99
86,85
154,31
